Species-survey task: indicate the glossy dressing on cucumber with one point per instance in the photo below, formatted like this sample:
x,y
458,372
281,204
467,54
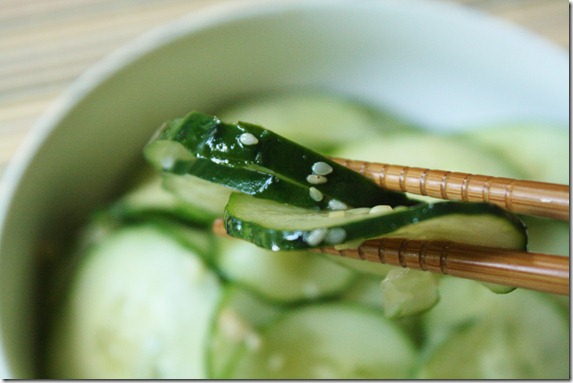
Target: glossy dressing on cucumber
x,y
258,162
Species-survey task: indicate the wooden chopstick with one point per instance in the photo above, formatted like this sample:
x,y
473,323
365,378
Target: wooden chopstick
x,y
524,197
534,271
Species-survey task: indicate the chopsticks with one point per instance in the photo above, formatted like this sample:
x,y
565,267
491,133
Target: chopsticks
x,y
542,272
518,196
534,271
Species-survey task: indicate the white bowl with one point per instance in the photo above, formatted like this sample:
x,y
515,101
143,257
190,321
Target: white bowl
x,y
441,65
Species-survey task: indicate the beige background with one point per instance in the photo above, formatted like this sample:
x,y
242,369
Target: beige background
x,y
46,44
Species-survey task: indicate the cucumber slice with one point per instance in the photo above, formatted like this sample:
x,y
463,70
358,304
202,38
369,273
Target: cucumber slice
x,y
329,341
239,315
407,292
204,199
315,119
256,161
517,336
282,276
277,226
140,306
184,197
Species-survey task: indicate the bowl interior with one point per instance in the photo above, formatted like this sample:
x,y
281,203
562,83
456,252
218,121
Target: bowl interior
x,y
437,64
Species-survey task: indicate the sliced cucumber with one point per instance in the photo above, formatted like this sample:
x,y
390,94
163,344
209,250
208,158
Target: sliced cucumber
x,y
283,276
256,161
517,336
140,306
205,199
277,226
319,120
184,197
407,292
329,341
236,325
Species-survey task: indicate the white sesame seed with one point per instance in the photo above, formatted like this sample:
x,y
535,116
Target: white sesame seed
x,y
315,194
315,237
316,179
321,168
248,139
335,236
335,204
381,209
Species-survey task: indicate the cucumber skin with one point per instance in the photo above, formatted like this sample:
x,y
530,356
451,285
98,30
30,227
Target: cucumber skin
x,y
207,138
370,227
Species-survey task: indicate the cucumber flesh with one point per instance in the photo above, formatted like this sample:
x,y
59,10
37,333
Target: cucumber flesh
x,y
277,226
140,306
258,162
407,292
182,197
517,336
329,341
236,325
282,276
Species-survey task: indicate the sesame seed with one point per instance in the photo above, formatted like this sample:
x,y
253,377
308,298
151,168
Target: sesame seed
x,y
321,168
248,139
335,204
315,237
335,236
316,179
381,209
315,194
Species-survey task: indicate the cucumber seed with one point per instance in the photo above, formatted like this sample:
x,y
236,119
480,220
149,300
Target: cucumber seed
x,y
321,168
248,139
315,194
316,179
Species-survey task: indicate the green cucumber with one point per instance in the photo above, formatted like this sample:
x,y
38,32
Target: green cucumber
x,y
256,161
183,197
282,276
473,334
319,120
407,292
277,226
236,325
329,341
139,306
204,200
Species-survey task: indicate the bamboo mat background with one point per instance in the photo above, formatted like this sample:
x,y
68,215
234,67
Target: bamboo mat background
x,y
46,44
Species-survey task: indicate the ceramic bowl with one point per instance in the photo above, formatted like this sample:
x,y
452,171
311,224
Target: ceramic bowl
x,y
444,66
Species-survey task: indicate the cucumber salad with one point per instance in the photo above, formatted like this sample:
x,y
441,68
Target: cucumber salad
x,y
148,290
